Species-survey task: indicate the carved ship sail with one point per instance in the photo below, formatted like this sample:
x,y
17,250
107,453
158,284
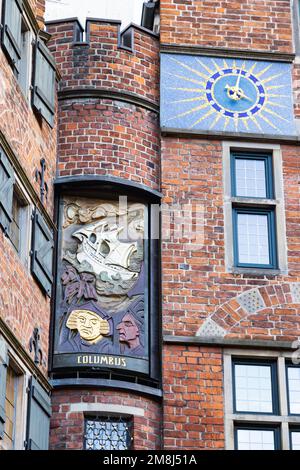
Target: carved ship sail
x,y
102,249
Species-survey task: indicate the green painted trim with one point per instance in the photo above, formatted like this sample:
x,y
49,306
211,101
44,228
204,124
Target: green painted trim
x,y
23,355
270,213
262,156
24,179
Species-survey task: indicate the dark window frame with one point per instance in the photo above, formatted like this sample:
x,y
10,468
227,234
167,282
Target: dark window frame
x,y
287,366
293,429
256,427
267,158
270,213
274,385
246,205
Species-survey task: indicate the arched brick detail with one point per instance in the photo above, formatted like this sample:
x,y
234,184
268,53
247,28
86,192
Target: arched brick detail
x,y
267,312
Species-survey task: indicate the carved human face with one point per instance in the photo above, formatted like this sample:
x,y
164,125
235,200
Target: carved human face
x,y
128,329
90,326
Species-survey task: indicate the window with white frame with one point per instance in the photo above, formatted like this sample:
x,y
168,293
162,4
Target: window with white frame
x,y
255,238
262,401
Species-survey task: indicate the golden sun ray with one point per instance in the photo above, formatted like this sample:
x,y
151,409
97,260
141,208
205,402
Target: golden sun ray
x,y
245,122
259,74
254,120
271,103
236,124
197,72
218,68
211,111
269,122
190,90
266,80
205,66
186,100
273,87
190,111
251,70
182,77
277,95
227,120
267,110
226,66
217,119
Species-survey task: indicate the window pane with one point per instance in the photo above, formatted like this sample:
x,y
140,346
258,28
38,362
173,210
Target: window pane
x,y
294,389
109,433
295,439
250,177
253,388
253,239
10,408
255,439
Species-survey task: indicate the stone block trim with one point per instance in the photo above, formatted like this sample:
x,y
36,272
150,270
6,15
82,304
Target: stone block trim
x,y
71,406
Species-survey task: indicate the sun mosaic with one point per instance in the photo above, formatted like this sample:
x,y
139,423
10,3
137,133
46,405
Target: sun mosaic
x,y
226,95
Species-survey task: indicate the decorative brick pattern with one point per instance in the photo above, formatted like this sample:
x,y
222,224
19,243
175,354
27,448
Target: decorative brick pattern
x,y
210,329
295,292
251,301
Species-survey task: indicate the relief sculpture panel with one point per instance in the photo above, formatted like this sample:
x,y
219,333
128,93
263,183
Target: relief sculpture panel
x,y
101,317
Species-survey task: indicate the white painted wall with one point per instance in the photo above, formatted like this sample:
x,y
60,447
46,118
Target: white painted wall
x,y
128,11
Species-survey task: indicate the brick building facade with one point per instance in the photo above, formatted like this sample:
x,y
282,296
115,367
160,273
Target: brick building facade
x,y
200,120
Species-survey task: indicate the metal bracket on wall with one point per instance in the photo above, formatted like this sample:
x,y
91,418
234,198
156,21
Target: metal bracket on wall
x,y
34,345
40,176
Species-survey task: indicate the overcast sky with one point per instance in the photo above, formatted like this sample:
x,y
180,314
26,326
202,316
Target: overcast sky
x,y
128,11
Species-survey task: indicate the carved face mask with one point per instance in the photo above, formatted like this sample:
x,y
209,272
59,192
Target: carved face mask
x,y
128,329
89,325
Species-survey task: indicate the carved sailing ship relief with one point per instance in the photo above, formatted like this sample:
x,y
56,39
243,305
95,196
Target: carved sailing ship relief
x,y
102,249
102,279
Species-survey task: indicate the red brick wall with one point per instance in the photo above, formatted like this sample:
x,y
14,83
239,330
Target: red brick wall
x,y
107,136
23,306
196,286
67,428
192,171
102,63
193,398
263,25
29,137
38,7
104,137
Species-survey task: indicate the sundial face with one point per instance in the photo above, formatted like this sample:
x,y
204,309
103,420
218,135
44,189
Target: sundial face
x,y
227,95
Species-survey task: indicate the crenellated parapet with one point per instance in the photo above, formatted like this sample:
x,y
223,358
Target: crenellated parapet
x,y
106,58
108,100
